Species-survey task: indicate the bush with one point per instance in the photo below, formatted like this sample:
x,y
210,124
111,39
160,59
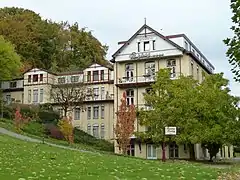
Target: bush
x,y
84,138
52,131
48,116
34,128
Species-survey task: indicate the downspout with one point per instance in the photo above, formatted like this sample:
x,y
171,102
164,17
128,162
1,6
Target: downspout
x,y
137,93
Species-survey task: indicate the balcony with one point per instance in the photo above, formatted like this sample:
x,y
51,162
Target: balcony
x,y
100,97
139,80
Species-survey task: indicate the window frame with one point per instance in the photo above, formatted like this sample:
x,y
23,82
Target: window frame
x,y
77,113
95,75
41,95
144,45
35,78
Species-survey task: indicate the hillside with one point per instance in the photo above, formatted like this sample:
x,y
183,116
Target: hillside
x,y
24,160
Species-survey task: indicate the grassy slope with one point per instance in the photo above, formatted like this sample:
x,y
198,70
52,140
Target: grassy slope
x,y
27,160
7,124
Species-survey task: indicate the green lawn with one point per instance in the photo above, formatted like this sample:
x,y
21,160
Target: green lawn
x,y
20,159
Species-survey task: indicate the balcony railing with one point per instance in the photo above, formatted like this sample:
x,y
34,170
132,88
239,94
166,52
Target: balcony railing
x,y
142,79
99,97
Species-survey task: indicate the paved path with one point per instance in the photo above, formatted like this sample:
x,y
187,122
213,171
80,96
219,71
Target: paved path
x,y
26,138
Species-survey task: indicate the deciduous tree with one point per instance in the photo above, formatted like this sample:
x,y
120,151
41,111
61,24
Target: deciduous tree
x,y
124,128
9,60
66,127
203,113
69,96
233,43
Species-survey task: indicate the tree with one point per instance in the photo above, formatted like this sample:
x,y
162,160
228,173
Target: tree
x,y
203,113
69,96
124,128
66,128
172,103
49,45
9,60
218,113
233,43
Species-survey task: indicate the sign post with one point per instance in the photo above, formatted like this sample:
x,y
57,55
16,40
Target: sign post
x,y
168,131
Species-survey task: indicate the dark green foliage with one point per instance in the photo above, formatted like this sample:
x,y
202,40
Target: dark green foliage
x,y
233,43
48,116
34,128
84,138
49,45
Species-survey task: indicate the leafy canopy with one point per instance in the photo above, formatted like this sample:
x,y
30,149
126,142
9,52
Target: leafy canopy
x,y
204,113
233,43
9,60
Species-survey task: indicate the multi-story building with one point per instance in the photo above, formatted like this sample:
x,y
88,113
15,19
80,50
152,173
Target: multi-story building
x,y
136,63
96,114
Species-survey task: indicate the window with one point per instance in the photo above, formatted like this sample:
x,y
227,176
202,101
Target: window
x,y
89,129
173,150
102,131
61,80
41,95
29,96
102,93
102,75
95,112
186,45
41,77
192,70
130,96
96,93
198,78
150,69
146,46
89,109
13,84
138,46
171,62
35,96
89,76
129,72
151,151
102,111
173,72
35,78
95,131
77,114
95,76
74,79
29,78
8,98
154,44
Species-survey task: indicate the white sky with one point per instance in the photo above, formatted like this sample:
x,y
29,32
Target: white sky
x,y
205,22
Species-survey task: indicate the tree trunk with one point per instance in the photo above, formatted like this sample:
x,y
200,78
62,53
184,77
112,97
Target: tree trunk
x,y
163,151
192,152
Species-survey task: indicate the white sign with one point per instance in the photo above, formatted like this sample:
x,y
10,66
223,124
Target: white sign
x,y
170,130
144,55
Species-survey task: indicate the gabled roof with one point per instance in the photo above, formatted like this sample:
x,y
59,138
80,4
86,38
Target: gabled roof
x,y
41,69
154,31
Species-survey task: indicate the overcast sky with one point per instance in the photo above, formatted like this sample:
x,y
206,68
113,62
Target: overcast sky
x,y
205,22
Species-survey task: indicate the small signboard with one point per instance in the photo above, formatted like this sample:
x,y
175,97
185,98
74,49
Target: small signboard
x,y
170,130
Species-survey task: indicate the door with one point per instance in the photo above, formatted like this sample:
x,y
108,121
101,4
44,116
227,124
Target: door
x,y
151,151
173,151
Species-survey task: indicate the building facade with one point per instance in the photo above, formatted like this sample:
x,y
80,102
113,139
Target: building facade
x,y
137,62
94,117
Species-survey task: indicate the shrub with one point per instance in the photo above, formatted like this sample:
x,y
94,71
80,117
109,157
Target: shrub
x,y
52,131
66,127
84,138
48,116
34,128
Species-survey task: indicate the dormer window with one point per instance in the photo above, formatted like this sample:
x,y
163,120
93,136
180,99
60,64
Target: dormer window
x,y
154,44
35,78
146,46
138,46
13,84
